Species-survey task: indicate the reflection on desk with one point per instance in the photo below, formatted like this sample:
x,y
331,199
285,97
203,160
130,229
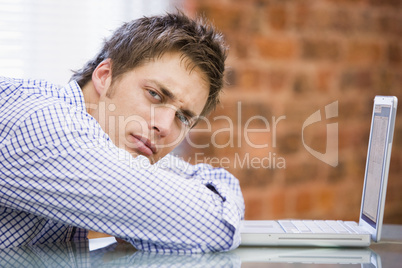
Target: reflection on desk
x,y
105,252
78,254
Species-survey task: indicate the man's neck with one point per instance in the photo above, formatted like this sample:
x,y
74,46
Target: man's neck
x,y
91,97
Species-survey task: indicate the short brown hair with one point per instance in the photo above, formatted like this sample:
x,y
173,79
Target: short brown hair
x,y
147,38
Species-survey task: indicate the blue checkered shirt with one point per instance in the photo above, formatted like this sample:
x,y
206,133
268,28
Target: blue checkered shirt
x,y
61,175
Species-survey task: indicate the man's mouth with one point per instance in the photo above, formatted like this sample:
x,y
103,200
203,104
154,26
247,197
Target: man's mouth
x,y
142,145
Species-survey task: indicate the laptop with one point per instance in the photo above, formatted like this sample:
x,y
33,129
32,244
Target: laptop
x,y
335,233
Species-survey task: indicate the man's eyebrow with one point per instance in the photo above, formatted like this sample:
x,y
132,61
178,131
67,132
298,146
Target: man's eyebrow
x,y
169,94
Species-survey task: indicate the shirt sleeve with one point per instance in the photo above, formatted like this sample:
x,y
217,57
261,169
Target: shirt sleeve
x,y
214,178
57,163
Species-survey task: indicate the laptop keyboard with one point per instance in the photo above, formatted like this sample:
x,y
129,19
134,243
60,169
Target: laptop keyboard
x,y
321,226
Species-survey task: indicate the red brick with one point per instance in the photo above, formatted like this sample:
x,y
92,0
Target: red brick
x,y
342,21
386,82
394,53
254,207
389,3
302,84
277,16
240,47
313,19
299,108
347,2
366,22
277,202
301,16
301,171
276,48
252,109
303,203
337,174
254,178
326,200
250,79
289,144
348,196
363,52
276,79
390,24
357,79
324,80
320,49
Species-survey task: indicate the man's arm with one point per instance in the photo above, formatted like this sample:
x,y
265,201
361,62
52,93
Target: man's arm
x,y
215,178
69,171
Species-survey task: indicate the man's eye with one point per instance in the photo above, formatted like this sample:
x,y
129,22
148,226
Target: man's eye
x,y
186,121
154,95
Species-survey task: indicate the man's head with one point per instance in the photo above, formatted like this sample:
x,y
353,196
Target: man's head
x,y
147,38
151,81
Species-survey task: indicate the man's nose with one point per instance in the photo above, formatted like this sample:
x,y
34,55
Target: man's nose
x,y
163,119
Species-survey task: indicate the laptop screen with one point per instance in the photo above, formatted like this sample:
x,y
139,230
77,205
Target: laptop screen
x,y
375,163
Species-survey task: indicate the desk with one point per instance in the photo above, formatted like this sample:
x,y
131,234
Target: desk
x,y
105,252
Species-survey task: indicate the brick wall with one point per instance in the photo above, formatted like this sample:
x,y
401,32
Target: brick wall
x,y
289,59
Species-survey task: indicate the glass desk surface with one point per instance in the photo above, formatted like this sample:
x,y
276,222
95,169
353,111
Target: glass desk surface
x,y
106,252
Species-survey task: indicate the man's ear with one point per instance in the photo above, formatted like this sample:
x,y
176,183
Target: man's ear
x,y
102,76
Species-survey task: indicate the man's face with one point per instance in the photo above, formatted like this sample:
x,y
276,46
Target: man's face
x,y
150,109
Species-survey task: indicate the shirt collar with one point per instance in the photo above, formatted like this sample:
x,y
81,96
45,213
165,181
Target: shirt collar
x,y
72,93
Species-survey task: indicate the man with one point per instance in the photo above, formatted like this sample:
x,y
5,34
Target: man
x,y
78,158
